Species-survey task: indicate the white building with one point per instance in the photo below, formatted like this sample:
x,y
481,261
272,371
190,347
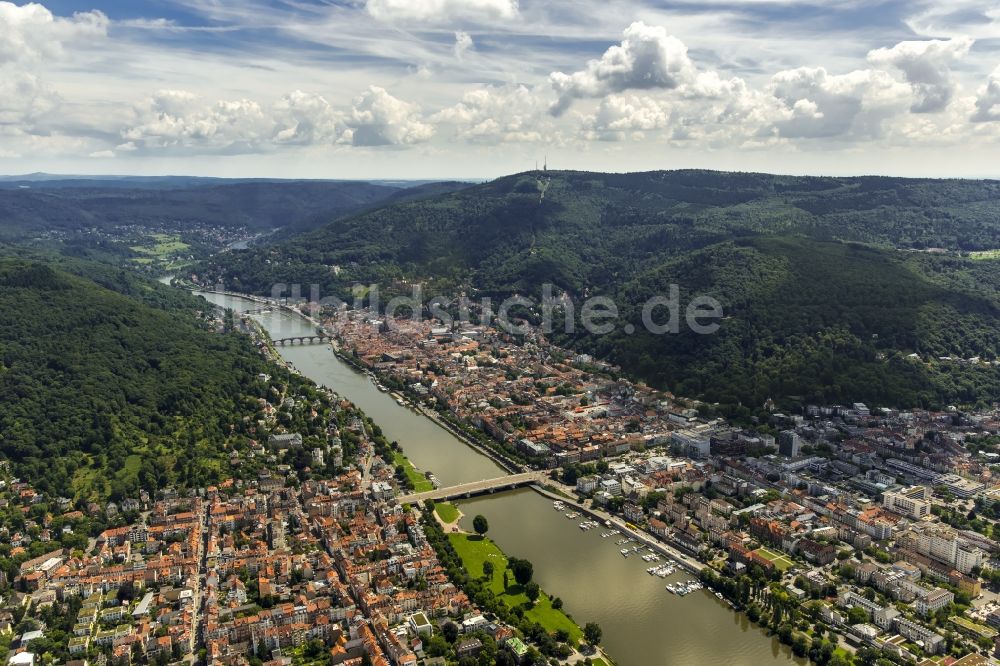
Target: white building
x,y
694,443
943,544
611,486
934,600
587,484
911,502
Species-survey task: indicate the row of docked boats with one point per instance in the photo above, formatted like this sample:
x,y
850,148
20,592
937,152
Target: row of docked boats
x,y
661,571
684,588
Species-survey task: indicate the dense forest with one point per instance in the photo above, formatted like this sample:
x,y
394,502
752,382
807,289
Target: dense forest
x,y
110,383
258,206
828,284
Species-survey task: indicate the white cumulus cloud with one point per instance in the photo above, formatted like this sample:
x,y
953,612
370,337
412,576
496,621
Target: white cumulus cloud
x,y
815,104
177,121
23,99
305,118
925,65
379,119
988,100
31,32
180,121
647,58
497,114
621,115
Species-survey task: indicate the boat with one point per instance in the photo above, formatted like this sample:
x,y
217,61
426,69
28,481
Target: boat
x,y
624,552
607,523
719,594
651,570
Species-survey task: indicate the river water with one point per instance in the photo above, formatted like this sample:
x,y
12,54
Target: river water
x,y
644,625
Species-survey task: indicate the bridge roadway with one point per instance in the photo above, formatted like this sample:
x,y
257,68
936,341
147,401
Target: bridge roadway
x,y
303,339
476,487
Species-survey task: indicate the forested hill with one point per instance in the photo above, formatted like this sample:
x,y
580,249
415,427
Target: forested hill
x,y
103,393
259,206
828,282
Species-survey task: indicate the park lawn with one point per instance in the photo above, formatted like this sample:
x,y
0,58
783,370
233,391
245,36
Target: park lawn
x,y
419,481
161,245
475,551
779,560
446,511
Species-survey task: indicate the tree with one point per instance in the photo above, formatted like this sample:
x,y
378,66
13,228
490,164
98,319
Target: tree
x,y
480,524
504,658
488,569
523,570
856,615
450,631
592,633
532,590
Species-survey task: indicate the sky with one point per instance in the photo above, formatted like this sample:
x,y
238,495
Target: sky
x,y
475,89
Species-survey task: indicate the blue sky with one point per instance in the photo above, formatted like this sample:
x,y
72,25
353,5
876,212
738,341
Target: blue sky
x,y
478,88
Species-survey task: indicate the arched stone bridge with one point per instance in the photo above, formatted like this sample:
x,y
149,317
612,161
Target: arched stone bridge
x,y
303,340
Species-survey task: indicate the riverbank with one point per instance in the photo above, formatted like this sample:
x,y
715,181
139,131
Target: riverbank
x,y
418,480
448,515
486,578
476,551
413,401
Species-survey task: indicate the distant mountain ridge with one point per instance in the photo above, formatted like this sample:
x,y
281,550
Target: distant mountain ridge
x,y
49,180
821,257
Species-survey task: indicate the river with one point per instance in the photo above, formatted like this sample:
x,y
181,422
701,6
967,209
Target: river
x,y
644,625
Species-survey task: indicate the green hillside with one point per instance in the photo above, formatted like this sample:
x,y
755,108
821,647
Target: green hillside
x,y
825,286
102,392
817,322
257,206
